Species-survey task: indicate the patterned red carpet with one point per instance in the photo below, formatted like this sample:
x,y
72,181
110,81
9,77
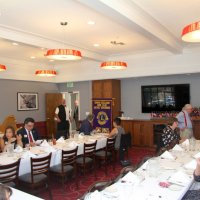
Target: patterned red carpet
x,y
71,192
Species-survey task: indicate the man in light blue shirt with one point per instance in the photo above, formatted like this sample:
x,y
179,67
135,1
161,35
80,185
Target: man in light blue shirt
x,y
184,122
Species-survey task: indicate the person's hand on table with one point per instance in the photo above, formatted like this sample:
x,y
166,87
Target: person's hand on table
x,y
32,144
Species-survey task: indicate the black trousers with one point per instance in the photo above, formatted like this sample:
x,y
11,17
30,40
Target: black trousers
x,y
62,129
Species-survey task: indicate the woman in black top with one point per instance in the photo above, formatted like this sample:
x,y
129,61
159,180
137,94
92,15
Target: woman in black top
x,y
10,138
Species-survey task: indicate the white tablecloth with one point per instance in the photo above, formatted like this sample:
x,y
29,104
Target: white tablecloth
x,y
55,149
19,195
148,187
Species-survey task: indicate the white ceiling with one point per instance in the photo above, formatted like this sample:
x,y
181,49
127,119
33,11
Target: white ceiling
x,y
143,25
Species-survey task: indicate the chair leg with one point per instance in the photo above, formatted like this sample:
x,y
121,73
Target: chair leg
x,y
49,190
63,185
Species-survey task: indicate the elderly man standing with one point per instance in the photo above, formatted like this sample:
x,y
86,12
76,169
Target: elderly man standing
x,y
184,122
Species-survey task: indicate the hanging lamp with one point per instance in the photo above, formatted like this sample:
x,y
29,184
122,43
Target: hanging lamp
x,y
191,32
63,54
45,73
113,65
2,68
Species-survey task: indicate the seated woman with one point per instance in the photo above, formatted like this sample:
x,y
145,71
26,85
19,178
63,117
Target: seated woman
x,y
117,131
86,125
10,138
170,135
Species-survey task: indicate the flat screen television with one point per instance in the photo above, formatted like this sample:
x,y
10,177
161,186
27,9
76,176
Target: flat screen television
x,y
161,98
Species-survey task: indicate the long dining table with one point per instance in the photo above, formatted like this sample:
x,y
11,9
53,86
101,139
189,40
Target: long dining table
x,y
166,177
47,147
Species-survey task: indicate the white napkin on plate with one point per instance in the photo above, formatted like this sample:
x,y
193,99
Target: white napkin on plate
x,y
179,178
61,140
185,143
19,149
38,142
131,178
28,154
191,165
197,155
177,148
45,144
167,155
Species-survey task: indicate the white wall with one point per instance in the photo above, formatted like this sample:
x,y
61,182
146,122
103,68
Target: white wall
x,y
131,91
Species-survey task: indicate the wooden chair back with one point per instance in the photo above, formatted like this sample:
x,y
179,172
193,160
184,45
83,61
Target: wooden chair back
x,y
40,166
69,157
110,145
10,172
8,121
89,149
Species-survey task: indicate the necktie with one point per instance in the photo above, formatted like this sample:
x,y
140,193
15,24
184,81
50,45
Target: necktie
x,y
30,137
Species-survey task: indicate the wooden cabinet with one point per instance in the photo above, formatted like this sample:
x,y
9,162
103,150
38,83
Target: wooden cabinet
x,y
142,131
196,129
108,89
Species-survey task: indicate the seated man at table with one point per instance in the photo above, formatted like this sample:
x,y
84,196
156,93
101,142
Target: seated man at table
x,y
170,136
86,125
28,133
118,131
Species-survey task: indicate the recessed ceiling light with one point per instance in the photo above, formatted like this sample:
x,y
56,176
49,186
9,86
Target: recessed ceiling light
x,y
96,45
51,60
32,57
15,44
91,22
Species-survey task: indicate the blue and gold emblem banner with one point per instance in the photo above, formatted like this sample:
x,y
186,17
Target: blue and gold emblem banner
x,y
102,110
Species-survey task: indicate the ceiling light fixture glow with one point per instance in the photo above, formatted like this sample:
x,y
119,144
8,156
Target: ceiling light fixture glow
x,y
191,32
116,65
45,73
2,68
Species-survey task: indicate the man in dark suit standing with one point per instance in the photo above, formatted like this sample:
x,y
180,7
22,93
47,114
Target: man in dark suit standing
x,y
76,114
62,116
28,132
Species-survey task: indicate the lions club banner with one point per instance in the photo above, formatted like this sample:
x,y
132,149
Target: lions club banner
x,y
102,110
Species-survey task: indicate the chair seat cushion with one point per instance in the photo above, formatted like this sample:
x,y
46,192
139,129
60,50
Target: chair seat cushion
x,y
58,168
80,160
102,153
36,178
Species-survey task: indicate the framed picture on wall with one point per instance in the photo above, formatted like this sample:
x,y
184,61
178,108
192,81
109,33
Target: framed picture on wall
x,y
27,101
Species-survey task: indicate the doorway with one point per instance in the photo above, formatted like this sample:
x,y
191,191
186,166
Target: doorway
x,y
70,98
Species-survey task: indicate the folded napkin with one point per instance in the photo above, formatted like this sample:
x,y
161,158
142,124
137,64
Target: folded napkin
x,y
191,165
177,148
61,140
38,142
28,154
167,155
94,195
45,144
179,178
19,149
185,143
131,178
197,155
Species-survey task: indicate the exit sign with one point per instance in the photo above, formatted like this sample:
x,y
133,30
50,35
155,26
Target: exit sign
x,y
70,84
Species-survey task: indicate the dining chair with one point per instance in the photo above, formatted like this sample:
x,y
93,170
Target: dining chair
x,y
38,178
9,174
108,154
87,160
67,166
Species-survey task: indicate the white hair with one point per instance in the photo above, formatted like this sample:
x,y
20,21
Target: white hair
x,y
187,106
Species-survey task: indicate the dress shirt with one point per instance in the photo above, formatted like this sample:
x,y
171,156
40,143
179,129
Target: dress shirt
x,y
30,134
181,120
67,110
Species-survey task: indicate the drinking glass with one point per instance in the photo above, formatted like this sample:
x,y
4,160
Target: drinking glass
x,y
10,149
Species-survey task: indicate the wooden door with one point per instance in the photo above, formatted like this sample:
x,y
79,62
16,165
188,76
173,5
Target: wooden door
x,y
52,101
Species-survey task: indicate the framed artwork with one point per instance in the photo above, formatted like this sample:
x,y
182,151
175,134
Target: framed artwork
x,y
27,101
